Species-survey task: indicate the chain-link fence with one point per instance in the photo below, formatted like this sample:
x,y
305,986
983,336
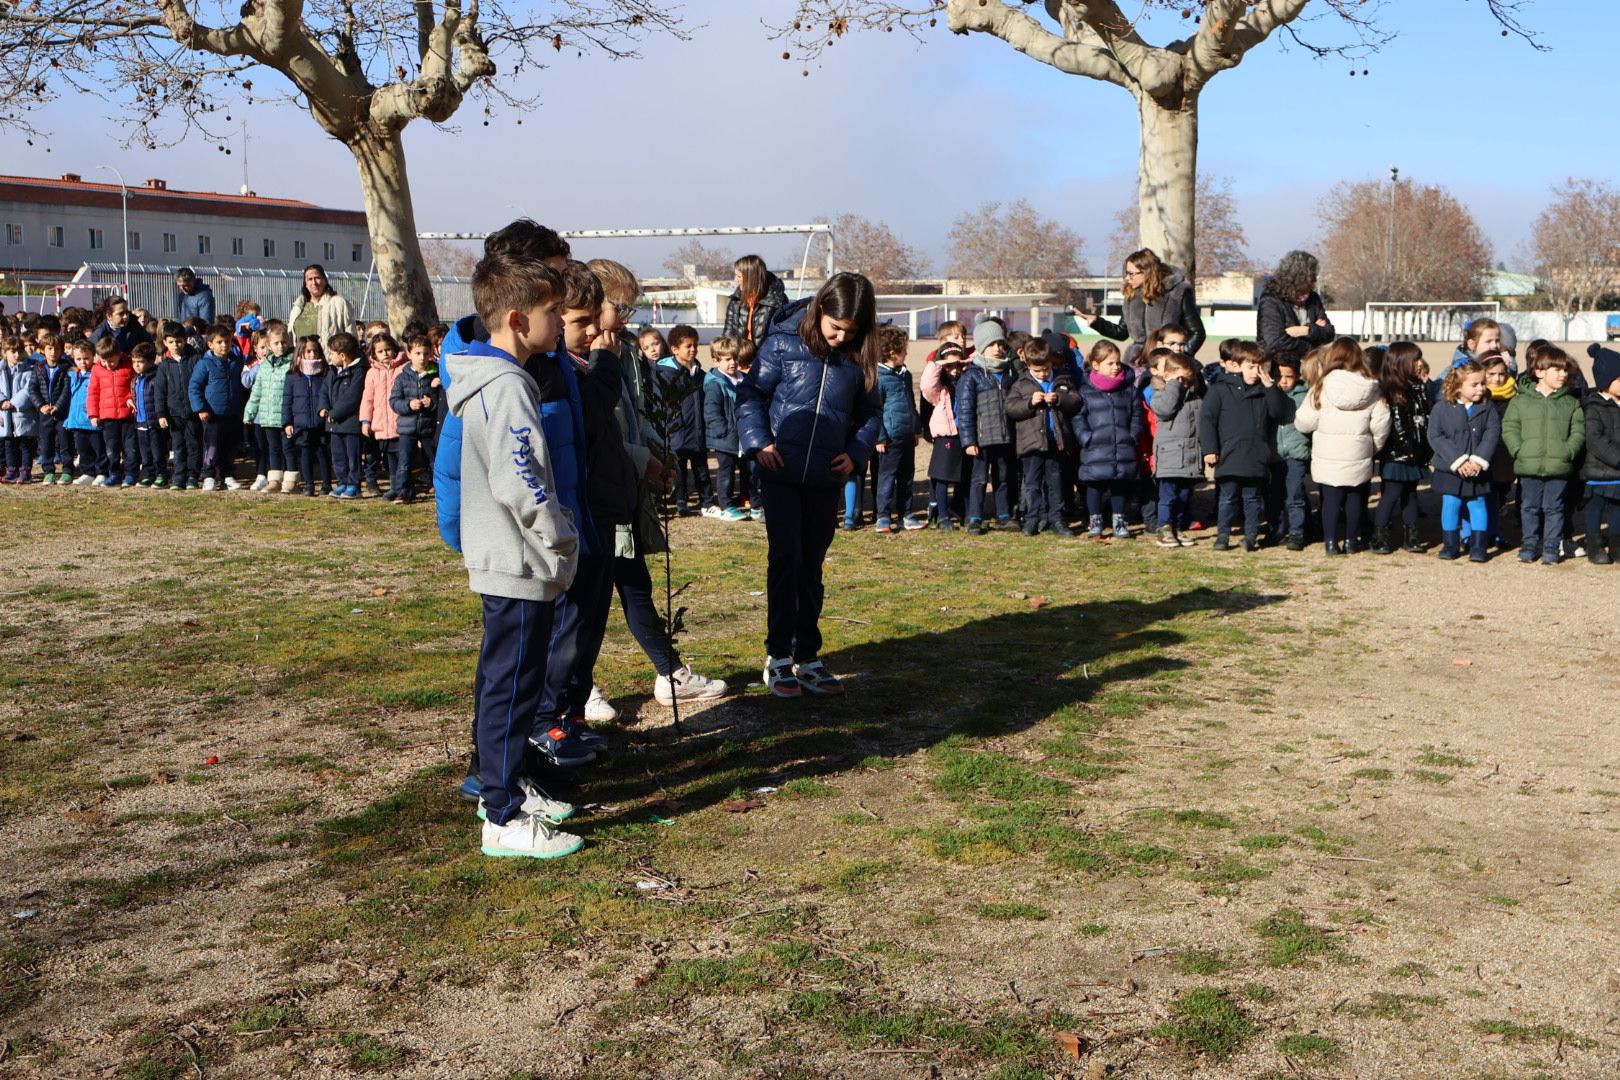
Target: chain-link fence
x,y
152,287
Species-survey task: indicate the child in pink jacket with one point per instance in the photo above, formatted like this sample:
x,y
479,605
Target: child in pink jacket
x,y
379,424
947,465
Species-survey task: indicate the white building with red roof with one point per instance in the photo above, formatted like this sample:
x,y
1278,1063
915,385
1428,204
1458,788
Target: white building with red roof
x,y
51,227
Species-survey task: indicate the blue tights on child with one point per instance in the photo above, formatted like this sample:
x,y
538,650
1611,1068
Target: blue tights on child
x,y
1451,511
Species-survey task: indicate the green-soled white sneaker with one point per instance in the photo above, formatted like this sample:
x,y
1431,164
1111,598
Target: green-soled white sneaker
x,y
528,837
537,802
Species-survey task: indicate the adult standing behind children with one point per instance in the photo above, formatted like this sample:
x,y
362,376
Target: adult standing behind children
x,y
1290,317
758,298
808,411
1156,295
121,325
318,311
195,299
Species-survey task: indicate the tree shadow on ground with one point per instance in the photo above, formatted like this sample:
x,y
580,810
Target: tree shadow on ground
x,y
992,676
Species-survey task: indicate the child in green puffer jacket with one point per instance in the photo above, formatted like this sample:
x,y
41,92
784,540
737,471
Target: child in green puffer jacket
x,y
1545,430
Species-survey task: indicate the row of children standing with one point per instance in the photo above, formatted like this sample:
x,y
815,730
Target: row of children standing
x,y
89,413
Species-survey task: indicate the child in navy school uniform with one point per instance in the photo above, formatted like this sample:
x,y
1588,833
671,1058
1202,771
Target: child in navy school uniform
x,y
53,375
1463,432
304,408
1040,404
686,441
1238,430
720,429
415,400
150,468
345,392
896,447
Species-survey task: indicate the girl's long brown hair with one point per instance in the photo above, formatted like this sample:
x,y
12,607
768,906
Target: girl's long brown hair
x,y
1395,377
845,296
753,271
1343,355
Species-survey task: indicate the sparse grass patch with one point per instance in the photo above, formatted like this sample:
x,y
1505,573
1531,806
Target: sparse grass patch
x,y
1374,774
1436,759
1201,962
1263,841
1512,1031
1010,911
1206,1021
1291,940
1430,776
1384,1006
1312,1049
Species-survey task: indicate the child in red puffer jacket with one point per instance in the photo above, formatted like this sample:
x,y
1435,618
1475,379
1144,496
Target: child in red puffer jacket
x,y
112,413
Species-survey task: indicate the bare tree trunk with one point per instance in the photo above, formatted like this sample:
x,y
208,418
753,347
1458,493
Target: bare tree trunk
x,y
391,220
1167,180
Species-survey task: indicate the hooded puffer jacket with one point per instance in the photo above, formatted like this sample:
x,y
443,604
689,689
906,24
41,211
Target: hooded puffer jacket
x,y
1545,432
811,408
216,385
19,387
981,405
303,398
1347,429
897,404
743,328
720,413
1177,452
1176,304
269,384
109,390
1108,427
374,408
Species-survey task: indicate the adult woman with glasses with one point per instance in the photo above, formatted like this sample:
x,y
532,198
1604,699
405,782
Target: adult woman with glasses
x,y
1156,295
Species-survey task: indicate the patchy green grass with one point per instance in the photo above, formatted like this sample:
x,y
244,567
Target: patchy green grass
x,y
1206,1021
1290,940
1009,912
1514,1032
1311,1049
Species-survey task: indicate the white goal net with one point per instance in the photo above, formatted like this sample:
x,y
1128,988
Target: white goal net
x,y
1438,321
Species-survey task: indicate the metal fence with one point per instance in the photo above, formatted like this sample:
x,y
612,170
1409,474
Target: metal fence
x,y
152,287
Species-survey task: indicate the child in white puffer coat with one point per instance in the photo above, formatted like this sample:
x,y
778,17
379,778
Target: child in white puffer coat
x,y
1349,423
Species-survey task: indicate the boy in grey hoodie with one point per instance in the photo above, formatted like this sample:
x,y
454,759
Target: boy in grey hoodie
x,y
518,541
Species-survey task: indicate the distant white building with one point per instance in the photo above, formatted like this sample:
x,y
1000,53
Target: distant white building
x,y
49,228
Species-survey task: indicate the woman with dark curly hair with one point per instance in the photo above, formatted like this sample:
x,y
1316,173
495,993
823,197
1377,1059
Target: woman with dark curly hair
x,y
1156,295
1292,320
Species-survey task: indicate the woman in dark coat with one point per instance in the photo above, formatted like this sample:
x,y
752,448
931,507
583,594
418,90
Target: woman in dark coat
x,y
808,412
1156,295
1290,316
758,298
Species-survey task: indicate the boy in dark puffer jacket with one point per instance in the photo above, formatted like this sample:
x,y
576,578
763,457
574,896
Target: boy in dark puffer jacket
x,y
1238,429
1040,404
1601,470
897,438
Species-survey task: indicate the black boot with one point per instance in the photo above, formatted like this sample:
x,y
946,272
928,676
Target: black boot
x,y
1334,547
1380,542
1451,544
1598,553
1413,544
1479,547
373,487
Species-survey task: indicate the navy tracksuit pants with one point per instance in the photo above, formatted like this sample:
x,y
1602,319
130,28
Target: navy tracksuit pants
x,y
510,681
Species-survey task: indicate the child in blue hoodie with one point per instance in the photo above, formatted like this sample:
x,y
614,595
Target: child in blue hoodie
x,y
519,543
897,439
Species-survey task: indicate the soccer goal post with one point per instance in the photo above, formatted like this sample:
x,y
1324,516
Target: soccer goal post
x,y
1435,321
810,232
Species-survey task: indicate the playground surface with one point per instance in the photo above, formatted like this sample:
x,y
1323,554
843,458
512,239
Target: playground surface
x,y
1088,809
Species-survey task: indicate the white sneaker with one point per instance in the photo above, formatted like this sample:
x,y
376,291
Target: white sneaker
x,y
527,837
82,479
597,708
687,685
259,482
537,802
232,483
713,512
208,484
814,677
99,481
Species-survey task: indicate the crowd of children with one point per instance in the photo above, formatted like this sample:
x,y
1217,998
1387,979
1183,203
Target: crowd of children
x,y
1028,433
189,407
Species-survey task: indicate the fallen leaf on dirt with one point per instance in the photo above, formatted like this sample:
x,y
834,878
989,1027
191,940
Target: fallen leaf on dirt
x,y
379,591
742,806
1070,1044
1037,602
213,759
1462,661
18,736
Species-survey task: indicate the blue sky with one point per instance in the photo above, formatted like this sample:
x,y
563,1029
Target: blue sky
x,y
721,130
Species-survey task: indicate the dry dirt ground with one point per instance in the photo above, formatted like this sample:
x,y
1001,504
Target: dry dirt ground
x,y
1419,759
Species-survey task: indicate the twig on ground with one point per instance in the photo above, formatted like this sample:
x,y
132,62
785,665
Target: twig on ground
x,y
1350,858
845,618
864,810
190,1050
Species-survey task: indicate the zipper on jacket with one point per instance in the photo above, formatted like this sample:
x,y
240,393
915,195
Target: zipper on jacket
x,y
815,423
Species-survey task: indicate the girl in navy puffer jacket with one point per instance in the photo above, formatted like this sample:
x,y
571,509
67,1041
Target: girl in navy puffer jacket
x,y
1108,427
808,412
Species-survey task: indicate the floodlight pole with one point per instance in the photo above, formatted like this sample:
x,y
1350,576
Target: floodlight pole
x,y
125,188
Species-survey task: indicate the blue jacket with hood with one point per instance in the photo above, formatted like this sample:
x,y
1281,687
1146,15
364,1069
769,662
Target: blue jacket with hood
x,y
562,419
812,409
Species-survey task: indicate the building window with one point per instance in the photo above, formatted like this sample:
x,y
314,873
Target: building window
x,y
269,248
171,243
53,236
134,240
238,245
14,235
298,250
329,252
355,252
97,240
205,244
